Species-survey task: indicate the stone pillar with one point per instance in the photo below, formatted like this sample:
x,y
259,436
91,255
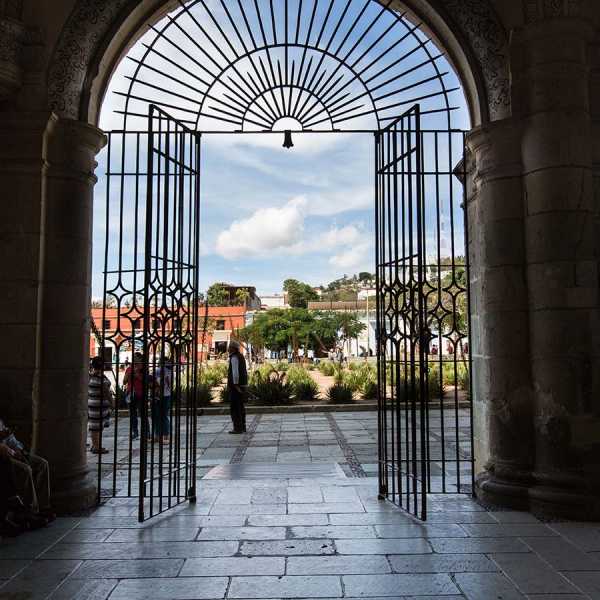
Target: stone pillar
x,y
22,162
551,96
60,408
500,323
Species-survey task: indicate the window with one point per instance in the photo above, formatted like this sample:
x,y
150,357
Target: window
x,y
220,326
106,324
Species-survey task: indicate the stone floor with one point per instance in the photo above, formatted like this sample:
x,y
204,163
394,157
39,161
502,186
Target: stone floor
x,y
297,537
348,438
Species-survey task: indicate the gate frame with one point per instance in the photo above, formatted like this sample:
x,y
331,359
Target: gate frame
x,y
417,393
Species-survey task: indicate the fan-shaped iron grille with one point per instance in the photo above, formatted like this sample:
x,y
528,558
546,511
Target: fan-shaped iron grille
x,y
244,65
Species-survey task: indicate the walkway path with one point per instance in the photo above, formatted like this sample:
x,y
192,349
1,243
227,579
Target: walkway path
x,y
320,538
275,530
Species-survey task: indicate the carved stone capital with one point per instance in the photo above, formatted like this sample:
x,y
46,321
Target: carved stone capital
x,y
72,148
496,151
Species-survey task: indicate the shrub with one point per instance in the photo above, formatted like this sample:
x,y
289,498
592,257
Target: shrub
x,y
339,393
433,381
203,394
270,390
463,378
327,368
282,366
224,394
338,374
353,366
355,380
213,375
306,391
369,390
297,374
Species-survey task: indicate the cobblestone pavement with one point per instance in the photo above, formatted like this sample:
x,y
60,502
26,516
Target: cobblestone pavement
x,y
297,537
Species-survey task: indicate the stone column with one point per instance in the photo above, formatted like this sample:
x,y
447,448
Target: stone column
x,y
500,326
22,162
551,95
60,408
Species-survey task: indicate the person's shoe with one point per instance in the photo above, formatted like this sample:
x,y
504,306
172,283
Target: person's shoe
x,y
99,451
235,432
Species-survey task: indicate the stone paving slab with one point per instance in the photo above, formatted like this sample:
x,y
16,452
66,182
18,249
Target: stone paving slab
x,y
237,565
182,588
302,538
288,586
128,569
388,585
337,565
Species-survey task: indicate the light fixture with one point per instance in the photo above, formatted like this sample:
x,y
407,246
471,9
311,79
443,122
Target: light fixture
x,y
287,139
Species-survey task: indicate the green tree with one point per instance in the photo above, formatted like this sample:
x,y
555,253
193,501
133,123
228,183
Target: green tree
x,y
299,293
241,296
217,295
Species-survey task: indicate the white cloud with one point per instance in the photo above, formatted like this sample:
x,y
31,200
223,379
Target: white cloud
x,y
283,230
340,201
267,229
358,255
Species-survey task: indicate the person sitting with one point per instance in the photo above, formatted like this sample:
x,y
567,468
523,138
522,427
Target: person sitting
x,y
100,401
28,475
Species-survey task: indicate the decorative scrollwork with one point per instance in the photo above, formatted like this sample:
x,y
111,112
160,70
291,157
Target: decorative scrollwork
x,y
489,43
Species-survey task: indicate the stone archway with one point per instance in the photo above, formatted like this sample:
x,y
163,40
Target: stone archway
x,y
539,413
96,37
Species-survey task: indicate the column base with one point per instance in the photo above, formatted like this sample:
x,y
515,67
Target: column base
x,y
73,494
543,500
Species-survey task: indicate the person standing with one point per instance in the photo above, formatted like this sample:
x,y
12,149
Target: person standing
x,y
100,401
134,384
237,380
162,403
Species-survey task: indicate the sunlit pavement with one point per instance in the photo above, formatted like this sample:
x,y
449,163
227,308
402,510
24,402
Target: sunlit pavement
x,y
300,520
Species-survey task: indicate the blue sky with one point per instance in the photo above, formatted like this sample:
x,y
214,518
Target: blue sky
x,y
269,213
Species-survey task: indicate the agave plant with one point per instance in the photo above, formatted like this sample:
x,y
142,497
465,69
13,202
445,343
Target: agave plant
x,y
306,391
270,390
339,393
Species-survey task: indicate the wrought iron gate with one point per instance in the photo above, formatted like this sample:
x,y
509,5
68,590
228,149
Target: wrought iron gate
x,y
424,397
150,313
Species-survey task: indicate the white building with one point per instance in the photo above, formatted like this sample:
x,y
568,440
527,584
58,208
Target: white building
x,y
274,301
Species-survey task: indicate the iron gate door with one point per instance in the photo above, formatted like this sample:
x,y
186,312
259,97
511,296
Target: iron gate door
x,y
425,417
400,313
170,326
